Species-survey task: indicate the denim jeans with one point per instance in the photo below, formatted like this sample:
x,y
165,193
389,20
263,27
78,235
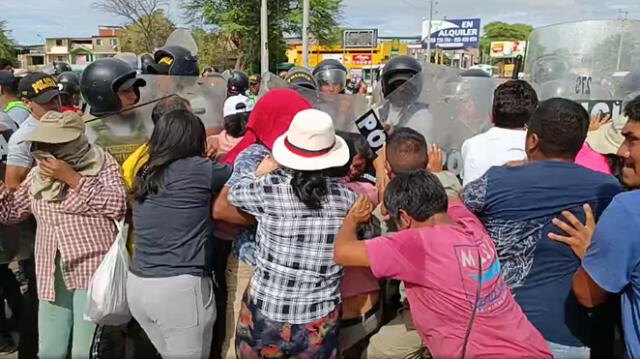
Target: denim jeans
x,y
566,352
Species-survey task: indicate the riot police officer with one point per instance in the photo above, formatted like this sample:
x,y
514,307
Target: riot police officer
x,y
110,87
237,84
301,77
402,106
398,71
331,76
69,86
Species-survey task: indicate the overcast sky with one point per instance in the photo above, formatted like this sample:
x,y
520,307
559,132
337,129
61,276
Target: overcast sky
x,y
30,19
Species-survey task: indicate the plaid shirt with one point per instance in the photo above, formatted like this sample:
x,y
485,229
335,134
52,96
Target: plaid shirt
x,y
80,227
296,279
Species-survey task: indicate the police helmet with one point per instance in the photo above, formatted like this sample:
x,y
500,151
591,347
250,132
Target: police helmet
x,y
550,68
69,83
145,60
331,72
398,71
238,83
301,77
101,82
174,61
60,67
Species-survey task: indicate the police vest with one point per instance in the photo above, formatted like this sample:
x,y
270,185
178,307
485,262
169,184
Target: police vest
x,y
16,104
120,147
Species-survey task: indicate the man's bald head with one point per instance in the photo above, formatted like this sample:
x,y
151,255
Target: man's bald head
x,y
406,151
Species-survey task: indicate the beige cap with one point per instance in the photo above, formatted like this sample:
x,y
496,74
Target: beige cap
x,y
56,127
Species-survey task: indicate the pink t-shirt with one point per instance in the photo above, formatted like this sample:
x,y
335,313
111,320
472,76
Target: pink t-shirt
x,y
439,267
360,280
593,160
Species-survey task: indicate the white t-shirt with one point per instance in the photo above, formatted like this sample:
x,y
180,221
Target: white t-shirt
x,y
495,147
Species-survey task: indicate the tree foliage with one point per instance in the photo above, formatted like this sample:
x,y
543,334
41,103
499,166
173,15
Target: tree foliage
x,y
213,48
145,15
323,21
239,22
500,31
7,46
133,38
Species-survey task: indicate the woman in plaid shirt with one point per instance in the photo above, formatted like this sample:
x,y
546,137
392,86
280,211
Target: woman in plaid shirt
x,y
76,193
291,308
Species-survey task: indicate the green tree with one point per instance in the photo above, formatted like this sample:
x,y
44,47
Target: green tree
x,y
500,31
323,21
239,21
213,47
7,46
133,38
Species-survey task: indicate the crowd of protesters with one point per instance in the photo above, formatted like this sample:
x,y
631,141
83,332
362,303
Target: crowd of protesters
x,y
277,236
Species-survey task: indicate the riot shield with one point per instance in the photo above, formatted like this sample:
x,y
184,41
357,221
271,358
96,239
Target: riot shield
x,y
121,133
444,106
206,95
128,57
183,37
344,109
586,62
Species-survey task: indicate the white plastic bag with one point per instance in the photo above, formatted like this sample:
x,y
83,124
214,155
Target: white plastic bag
x,y
107,294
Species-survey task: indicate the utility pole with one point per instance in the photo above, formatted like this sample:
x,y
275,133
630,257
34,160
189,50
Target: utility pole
x,y
430,28
264,38
624,17
305,33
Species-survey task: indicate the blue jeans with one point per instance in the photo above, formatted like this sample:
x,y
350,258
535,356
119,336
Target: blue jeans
x,y
566,352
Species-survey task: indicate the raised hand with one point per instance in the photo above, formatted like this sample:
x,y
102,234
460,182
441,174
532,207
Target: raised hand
x,y
579,234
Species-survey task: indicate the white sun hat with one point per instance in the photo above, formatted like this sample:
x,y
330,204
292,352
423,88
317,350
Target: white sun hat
x,y
311,143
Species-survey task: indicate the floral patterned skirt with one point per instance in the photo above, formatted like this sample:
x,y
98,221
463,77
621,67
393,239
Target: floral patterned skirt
x,y
259,337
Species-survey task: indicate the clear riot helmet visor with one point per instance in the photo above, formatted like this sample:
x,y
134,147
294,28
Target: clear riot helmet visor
x,y
332,81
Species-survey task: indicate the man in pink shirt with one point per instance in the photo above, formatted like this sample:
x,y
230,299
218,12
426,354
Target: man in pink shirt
x,y
460,304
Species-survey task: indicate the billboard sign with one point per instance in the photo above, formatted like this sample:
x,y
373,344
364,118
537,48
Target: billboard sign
x,y
361,59
452,34
364,38
508,49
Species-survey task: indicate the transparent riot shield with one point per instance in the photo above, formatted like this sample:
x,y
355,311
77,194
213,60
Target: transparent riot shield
x,y
344,109
586,61
183,37
444,107
121,133
128,57
206,95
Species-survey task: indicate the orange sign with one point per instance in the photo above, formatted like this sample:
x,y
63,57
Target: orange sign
x,y
502,49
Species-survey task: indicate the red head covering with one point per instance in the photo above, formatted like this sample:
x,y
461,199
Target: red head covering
x,y
269,120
